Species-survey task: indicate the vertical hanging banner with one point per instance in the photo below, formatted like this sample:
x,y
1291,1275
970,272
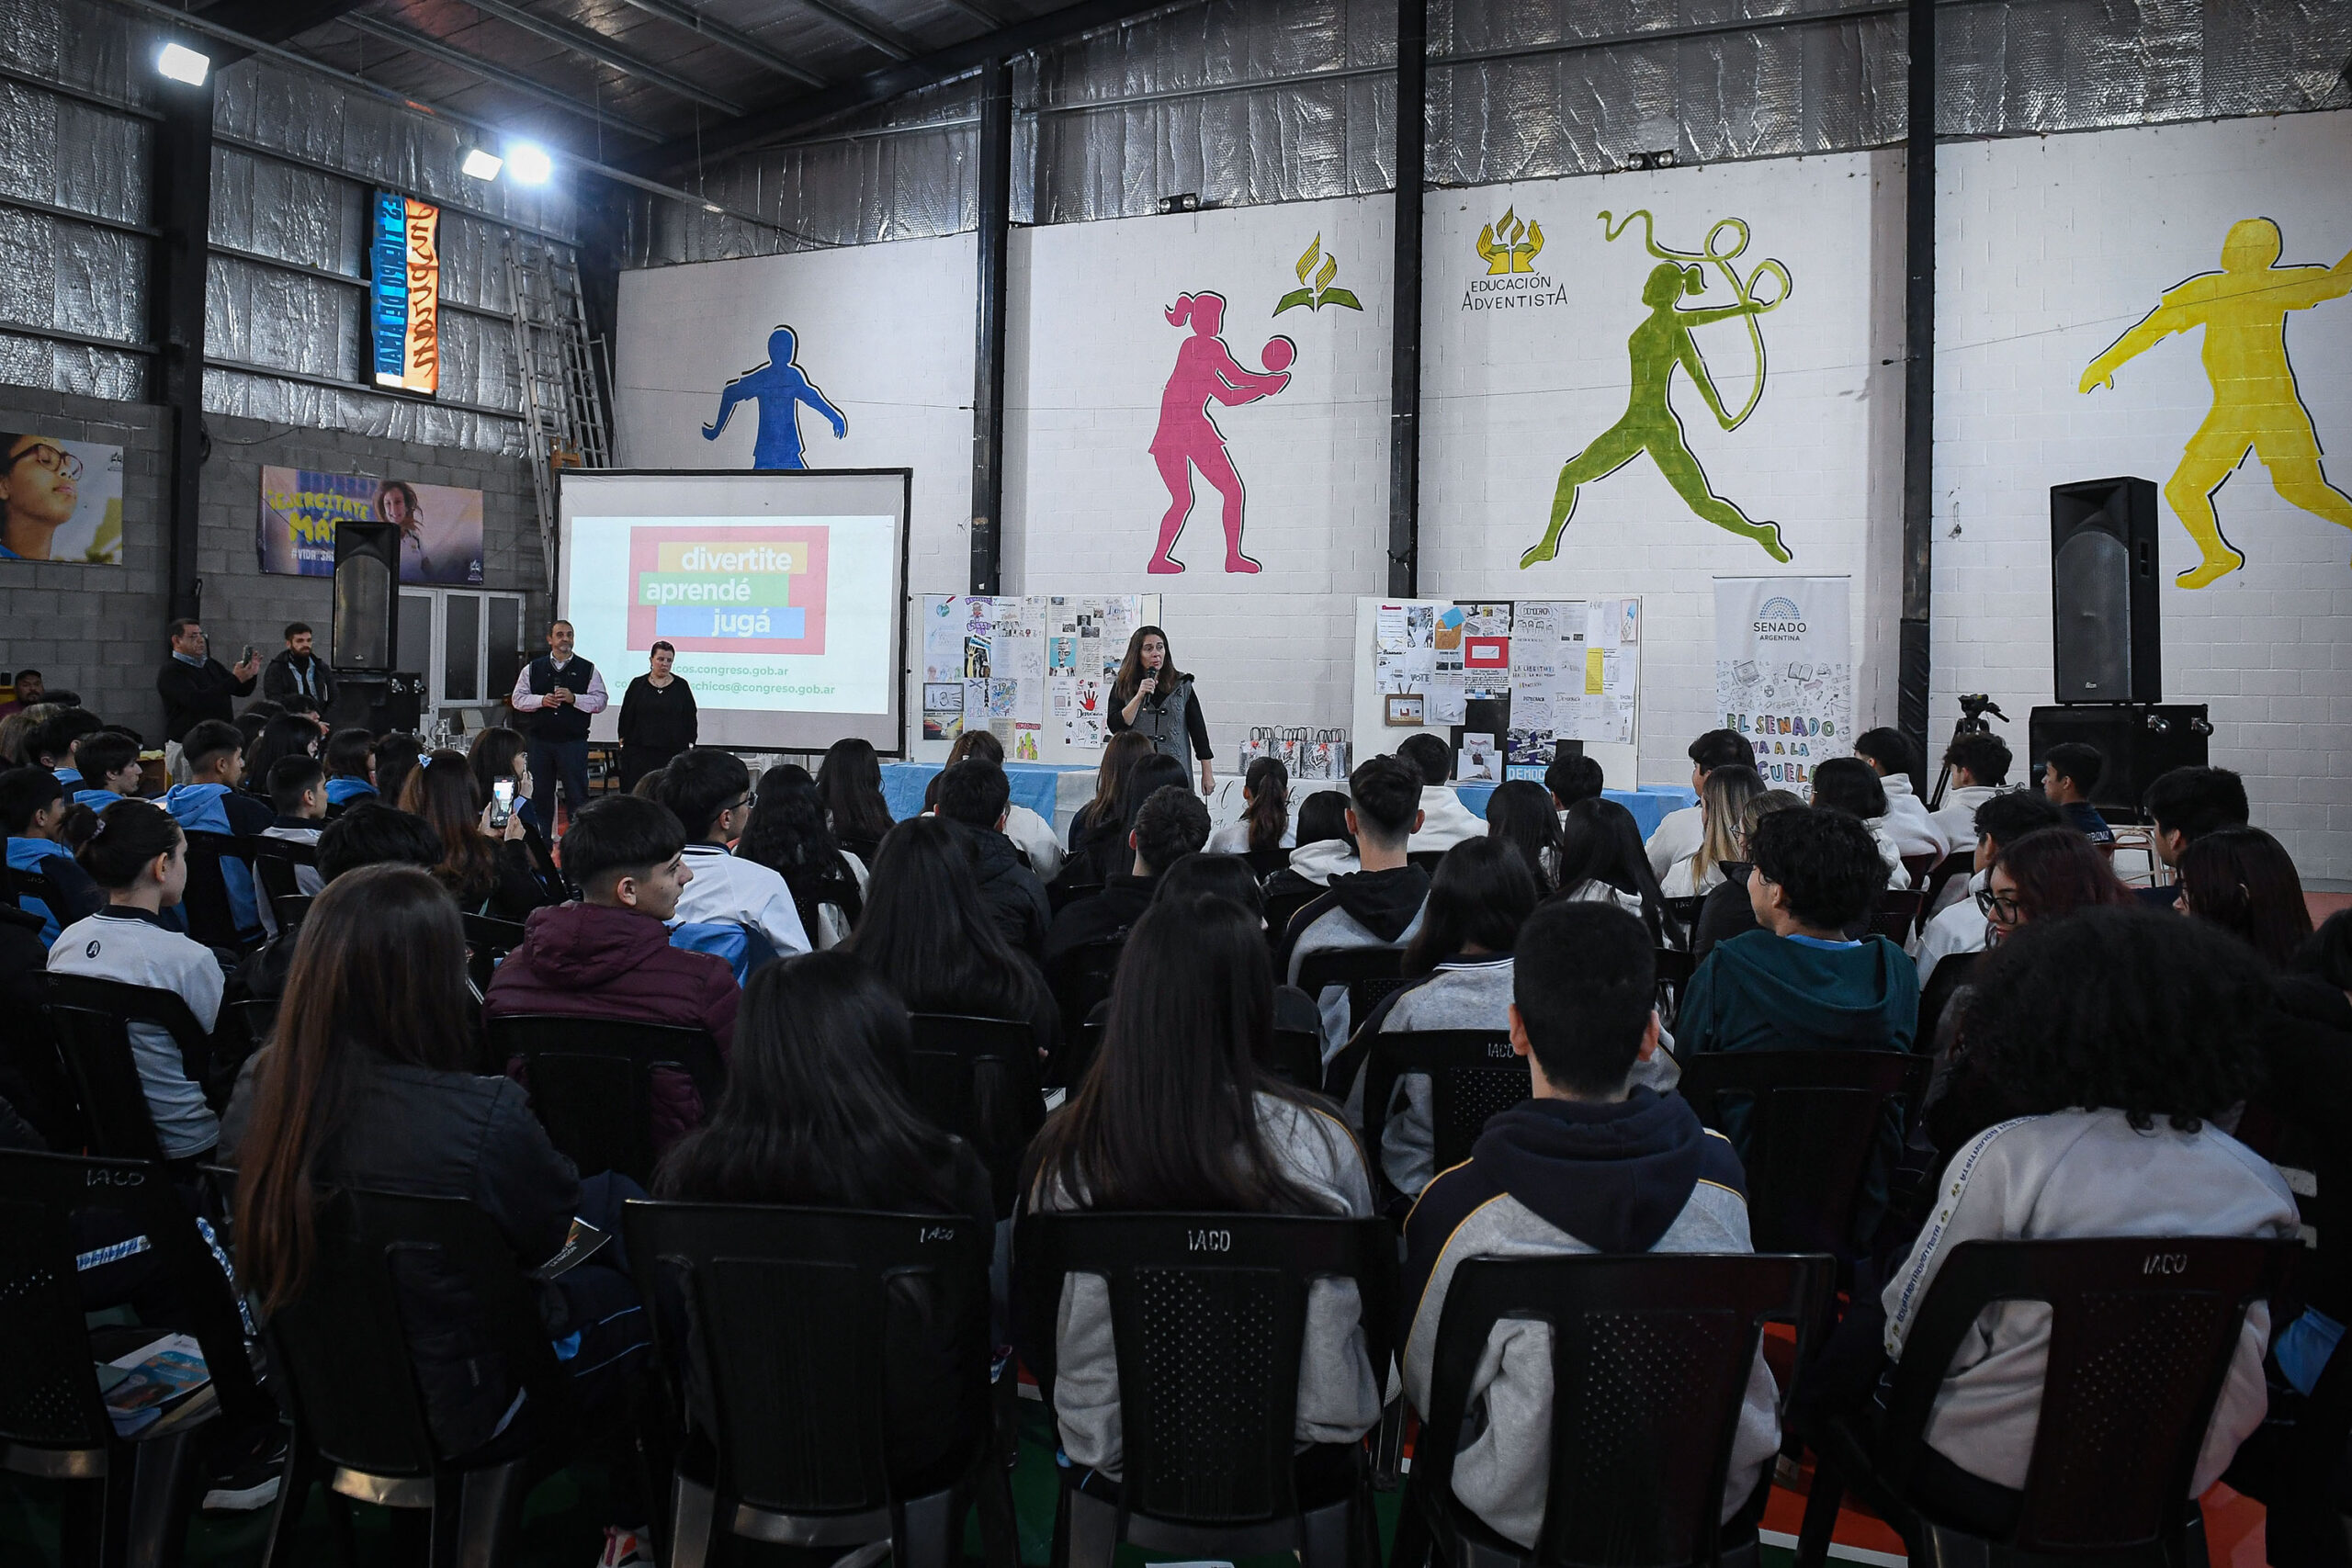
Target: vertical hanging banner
x,y
1784,671
404,293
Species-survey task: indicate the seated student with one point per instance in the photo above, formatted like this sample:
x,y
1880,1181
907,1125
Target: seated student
x,y
1445,821
351,767
1680,833
709,791
1105,852
370,1083
498,754
32,810
1603,861
1851,785
1177,1115
1105,818
1229,877
976,794
298,793
1723,805
2069,774
488,870
1594,1163
54,745
1324,849
609,955
1521,813
287,735
1726,912
2121,1035
1377,906
108,763
1032,833
1980,770
140,857
396,758
213,754
850,779
2185,805
1264,825
1460,962
788,834
926,934
1959,927
1171,825
1571,779
2244,881
1893,759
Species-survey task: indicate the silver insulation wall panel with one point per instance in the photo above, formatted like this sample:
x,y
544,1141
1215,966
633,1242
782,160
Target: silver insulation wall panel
x,y
1252,101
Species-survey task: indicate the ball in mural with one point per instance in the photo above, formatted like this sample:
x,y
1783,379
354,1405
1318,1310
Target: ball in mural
x,y
1280,353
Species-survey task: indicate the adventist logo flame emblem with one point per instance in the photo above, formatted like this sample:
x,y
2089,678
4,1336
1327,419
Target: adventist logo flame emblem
x,y
1510,245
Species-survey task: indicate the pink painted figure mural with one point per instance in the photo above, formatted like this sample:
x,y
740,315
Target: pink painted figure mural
x,y
1187,438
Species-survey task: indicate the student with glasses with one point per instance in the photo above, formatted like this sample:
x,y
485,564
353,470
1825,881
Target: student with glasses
x,y
39,487
710,791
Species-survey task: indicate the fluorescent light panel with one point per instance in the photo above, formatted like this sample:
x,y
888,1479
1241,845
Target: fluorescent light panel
x,y
182,64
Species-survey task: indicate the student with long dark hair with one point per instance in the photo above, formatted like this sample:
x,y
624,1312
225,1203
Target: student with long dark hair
x,y
789,836
1851,785
368,1083
1103,852
288,735
1325,849
1521,813
928,935
397,756
488,870
1177,1115
1121,752
1603,861
498,754
850,782
1264,826
2244,881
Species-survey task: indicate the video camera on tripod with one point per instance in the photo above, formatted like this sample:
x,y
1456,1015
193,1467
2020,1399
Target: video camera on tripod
x,y
1973,706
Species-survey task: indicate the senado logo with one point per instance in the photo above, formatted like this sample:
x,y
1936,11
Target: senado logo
x,y
1779,620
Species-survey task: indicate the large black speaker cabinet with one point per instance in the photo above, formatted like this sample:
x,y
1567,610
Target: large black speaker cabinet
x,y
2137,742
367,595
378,703
2103,591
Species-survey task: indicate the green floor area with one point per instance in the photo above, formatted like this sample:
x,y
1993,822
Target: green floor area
x,y
557,1531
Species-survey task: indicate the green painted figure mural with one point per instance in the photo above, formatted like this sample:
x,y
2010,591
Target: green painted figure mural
x,y
1662,341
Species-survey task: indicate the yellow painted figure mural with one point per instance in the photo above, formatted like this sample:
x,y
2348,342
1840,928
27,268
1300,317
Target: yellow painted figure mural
x,y
2256,406
1657,347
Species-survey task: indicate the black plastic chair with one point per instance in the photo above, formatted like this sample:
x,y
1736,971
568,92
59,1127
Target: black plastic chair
x,y
1651,1356
211,918
1265,862
592,1082
126,1499
1952,972
1675,967
1425,859
1812,1123
487,939
806,1324
976,1077
91,1020
1295,1057
1960,862
24,886
1345,966
1685,910
345,1365
1918,868
1081,979
1897,915
1209,1313
1281,908
1474,1076
277,864
2142,1333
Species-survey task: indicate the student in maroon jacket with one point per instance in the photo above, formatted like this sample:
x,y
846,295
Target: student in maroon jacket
x,y
610,956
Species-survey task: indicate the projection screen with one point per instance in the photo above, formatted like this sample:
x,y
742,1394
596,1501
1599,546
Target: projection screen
x,y
782,593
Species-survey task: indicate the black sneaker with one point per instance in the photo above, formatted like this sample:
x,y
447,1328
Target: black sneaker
x,y
253,1484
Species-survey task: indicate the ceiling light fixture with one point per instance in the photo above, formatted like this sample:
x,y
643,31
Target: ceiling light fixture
x,y
182,64
528,163
481,163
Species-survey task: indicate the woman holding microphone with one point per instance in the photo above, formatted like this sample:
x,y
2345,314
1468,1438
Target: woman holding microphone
x,y
1156,700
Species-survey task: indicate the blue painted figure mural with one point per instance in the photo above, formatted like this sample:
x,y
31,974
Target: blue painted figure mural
x,y
779,388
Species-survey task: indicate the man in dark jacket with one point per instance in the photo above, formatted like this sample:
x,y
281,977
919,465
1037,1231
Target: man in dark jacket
x,y
195,686
609,955
296,679
1377,906
975,793
553,698
1171,825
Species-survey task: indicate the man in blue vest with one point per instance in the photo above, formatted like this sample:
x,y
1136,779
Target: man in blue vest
x,y
555,696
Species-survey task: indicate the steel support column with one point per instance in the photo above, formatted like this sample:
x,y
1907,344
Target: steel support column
x,y
180,207
988,353
1912,671
1404,344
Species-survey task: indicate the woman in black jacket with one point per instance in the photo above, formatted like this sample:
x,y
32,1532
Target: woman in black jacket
x,y
657,718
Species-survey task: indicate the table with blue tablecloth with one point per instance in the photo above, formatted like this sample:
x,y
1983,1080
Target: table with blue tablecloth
x,y
1649,803
1034,785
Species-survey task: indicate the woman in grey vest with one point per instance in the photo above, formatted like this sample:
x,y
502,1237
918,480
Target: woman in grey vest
x,y
1157,701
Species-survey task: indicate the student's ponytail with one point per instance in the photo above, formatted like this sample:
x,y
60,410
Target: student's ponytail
x,y
1267,784
131,834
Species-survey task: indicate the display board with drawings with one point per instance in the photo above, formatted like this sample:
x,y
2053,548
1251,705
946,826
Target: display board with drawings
x,y
1035,670
1538,670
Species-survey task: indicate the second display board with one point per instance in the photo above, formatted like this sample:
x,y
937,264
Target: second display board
x,y
1035,670
1554,670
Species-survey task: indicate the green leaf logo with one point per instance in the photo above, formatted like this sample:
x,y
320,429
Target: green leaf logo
x,y
1318,293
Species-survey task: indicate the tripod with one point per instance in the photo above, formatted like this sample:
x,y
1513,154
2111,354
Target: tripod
x,y
1972,709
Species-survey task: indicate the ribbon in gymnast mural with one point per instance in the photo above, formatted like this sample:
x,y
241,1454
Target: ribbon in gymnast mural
x,y
1188,438
1659,344
778,388
2256,406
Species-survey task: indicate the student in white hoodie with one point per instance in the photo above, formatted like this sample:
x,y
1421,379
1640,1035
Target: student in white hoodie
x,y
1893,757
2119,1035
1445,821
1980,770
1325,848
1959,928
1679,835
1851,785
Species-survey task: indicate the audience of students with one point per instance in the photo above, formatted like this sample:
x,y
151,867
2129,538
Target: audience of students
x,y
351,766
486,866
1727,911
1170,825
975,796
139,856
709,791
1959,928
1603,859
1895,760
1176,1113
1264,826
1980,769
850,781
1595,1162
1520,812
2244,881
2069,774
32,810
1031,833
1445,821
1851,785
1723,807
1379,905
788,834
1325,849
1680,833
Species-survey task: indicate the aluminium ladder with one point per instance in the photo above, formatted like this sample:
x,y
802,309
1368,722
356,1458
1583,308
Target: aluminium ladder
x,y
563,372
